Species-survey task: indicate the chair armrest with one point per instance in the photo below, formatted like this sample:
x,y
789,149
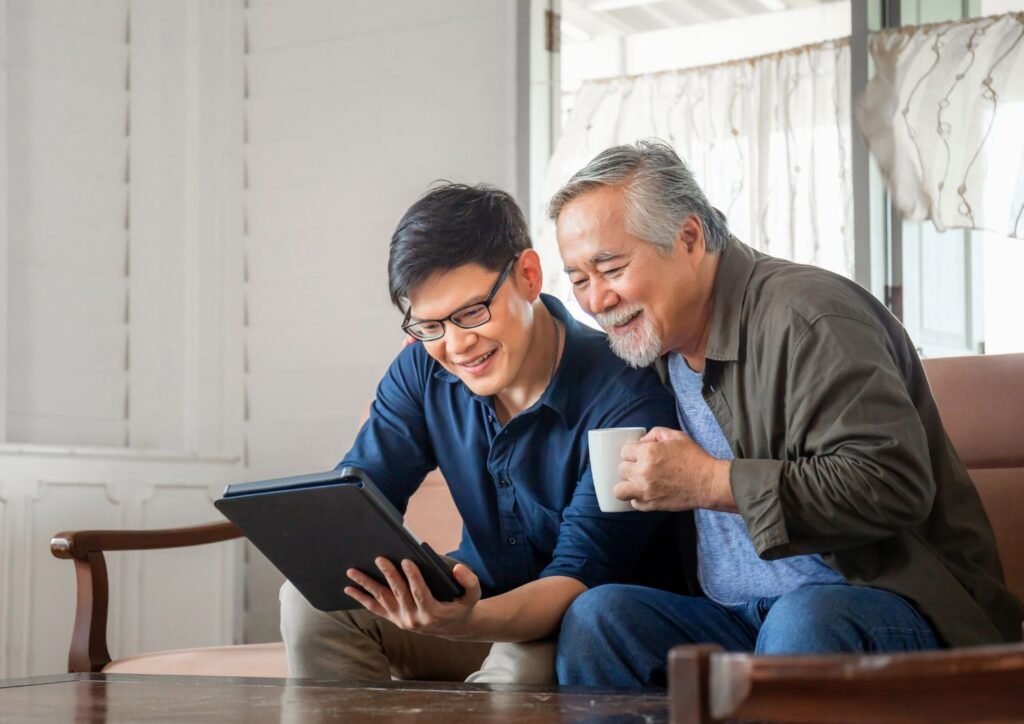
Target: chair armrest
x,y
78,544
89,652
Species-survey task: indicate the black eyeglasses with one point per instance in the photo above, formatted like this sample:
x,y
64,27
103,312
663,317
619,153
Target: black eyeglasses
x,y
468,317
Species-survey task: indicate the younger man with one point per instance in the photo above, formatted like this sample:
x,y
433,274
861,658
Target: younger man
x,y
499,393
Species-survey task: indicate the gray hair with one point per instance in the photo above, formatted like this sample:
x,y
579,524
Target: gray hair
x,y
660,193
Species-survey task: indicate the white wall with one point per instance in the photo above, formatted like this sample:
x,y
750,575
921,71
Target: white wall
x,y
271,147
351,110
120,327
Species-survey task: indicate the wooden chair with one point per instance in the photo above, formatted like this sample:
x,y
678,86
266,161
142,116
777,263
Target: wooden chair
x,y
431,514
89,652
981,400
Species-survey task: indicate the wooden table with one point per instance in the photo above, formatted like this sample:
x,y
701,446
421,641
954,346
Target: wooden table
x,y
193,699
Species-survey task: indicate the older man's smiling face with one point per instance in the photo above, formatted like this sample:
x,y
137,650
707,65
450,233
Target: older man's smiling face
x,y
642,297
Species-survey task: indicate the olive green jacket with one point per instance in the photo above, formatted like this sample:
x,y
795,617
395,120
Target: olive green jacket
x,y
839,449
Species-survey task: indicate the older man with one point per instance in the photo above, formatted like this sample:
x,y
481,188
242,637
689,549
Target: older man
x,y
833,514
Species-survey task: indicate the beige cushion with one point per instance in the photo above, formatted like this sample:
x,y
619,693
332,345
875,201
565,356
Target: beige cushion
x,y
260,660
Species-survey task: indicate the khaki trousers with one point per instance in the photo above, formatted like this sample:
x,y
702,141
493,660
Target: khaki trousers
x,y
356,645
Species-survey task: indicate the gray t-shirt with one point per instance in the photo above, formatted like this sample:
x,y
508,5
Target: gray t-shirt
x,y
730,571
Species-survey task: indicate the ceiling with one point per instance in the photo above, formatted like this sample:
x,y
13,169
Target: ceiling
x,y
585,19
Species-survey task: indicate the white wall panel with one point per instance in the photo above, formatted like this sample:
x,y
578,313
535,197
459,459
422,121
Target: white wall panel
x,y
326,206
119,129
45,294
90,348
66,142
291,447
313,392
5,218
96,62
76,393
303,158
158,598
301,253
55,242
316,302
72,430
169,580
101,20
309,346
310,112
81,201
6,586
275,24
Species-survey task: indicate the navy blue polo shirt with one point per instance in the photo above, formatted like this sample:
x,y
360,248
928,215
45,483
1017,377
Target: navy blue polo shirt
x,y
524,489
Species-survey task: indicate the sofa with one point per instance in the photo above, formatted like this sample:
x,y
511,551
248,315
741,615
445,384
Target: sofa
x,y
981,400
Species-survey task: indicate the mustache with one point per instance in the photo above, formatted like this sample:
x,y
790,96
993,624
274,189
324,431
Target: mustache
x,y
617,316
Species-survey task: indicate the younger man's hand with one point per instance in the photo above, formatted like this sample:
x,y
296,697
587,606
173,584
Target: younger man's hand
x,y
408,603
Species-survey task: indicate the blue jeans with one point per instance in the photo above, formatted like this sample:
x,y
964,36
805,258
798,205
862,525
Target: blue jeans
x,y
620,636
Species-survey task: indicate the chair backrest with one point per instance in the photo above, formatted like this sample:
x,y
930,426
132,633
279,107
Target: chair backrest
x,y
981,400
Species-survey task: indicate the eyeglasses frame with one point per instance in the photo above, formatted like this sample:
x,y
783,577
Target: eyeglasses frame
x,y
406,325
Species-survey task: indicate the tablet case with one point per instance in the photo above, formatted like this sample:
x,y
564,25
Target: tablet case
x,y
315,527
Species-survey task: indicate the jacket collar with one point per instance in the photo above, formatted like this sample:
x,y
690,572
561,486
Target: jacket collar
x,y
735,268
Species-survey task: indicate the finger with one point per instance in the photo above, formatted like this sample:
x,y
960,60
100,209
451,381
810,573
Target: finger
x,y
397,582
626,470
660,434
366,601
468,580
627,490
382,594
642,505
421,594
630,450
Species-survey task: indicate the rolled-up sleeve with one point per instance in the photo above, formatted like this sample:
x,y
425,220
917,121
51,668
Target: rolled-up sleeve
x,y
857,467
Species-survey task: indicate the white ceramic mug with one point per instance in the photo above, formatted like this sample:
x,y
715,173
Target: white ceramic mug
x,y
605,456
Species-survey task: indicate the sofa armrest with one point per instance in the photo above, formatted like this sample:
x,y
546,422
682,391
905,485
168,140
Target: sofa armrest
x,y
89,652
966,684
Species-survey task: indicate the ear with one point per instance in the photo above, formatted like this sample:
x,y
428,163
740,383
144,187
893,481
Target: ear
x,y
691,238
528,273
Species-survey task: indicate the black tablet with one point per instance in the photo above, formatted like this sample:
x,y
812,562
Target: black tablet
x,y
315,527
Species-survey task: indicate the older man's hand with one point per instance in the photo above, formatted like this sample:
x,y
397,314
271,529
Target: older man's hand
x,y
667,470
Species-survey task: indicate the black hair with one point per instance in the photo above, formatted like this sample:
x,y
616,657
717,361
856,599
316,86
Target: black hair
x,y
450,226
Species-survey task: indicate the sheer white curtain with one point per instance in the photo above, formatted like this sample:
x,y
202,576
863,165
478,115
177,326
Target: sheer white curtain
x,y
944,117
768,139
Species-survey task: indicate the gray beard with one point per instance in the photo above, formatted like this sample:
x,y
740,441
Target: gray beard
x,y
638,348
